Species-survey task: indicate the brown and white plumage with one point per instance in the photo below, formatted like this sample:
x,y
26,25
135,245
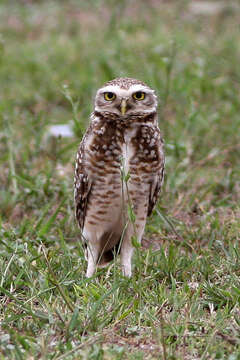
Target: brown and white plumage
x,y
123,137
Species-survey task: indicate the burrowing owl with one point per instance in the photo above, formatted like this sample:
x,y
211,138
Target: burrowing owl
x,y
119,166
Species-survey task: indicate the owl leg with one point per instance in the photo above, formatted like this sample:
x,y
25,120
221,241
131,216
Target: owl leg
x,y
92,251
126,260
92,256
127,248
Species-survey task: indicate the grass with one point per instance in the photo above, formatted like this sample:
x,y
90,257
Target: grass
x,y
183,300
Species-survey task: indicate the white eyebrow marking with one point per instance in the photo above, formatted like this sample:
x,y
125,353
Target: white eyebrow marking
x,y
115,89
123,92
138,87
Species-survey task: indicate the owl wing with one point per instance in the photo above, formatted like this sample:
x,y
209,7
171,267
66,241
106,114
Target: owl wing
x,y
81,197
82,184
157,180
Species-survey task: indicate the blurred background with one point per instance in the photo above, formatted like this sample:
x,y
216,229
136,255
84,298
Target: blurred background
x,y
55,54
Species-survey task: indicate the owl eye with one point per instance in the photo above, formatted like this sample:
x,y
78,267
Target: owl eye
x,y
109,96
139,95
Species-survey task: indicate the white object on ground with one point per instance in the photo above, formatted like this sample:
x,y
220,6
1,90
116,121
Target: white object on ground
x,y
63,130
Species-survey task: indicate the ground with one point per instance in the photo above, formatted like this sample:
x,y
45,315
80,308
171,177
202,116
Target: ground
x,y
183,300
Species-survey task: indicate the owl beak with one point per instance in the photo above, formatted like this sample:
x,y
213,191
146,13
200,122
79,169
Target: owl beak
x,y
123,106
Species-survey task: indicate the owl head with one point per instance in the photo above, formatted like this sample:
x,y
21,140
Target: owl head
x,y
124,98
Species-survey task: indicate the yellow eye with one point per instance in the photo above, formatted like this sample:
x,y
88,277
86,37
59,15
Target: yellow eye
x,y
139,95
109,96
